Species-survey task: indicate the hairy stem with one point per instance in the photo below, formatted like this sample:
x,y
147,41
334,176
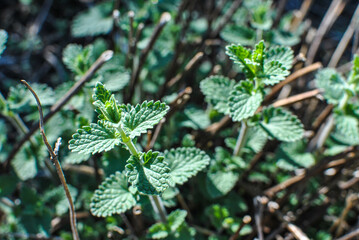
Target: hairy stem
x,y
241,138
156,201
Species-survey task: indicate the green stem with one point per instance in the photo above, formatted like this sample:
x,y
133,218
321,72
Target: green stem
x,y
241,138
156,201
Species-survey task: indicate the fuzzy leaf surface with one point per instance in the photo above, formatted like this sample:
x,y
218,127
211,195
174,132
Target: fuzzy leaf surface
x,y
101,93
95,21
283,55
281,124
219,183
185,163
112,197
216,89
332,83
94,138
137,120
162,230
149,173
273,72
346,130
244,101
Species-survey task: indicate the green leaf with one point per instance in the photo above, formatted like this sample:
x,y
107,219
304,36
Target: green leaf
x,y
25,163
332,83
281,124
112,74
241,56
185,163
257,138
7,184
221,182
354,73
238,34
112,197
137,120
3,40
95,21
273,72
77,58
346,130
162,230
293,155
149,173
283,55
100,93
216,89
244,101
94,138
176,218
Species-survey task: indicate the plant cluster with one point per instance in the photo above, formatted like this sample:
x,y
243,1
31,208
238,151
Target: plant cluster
x,y
200,122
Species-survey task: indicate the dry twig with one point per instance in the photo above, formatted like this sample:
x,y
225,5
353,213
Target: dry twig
x,y
55,161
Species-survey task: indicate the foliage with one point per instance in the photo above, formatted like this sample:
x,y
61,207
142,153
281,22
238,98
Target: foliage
x,y
182,119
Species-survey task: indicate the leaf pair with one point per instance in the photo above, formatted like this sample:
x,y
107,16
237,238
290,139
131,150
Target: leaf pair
x,y
150,174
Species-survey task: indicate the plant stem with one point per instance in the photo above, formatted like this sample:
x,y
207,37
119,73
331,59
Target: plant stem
x,y
156,201
241,138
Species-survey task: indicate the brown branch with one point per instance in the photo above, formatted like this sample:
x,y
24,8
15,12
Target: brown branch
x,y
105,56
324,163
246,220
176,104
299,16
187,68
54,159
230,12
292,77
296,98
322,116
345,40
335,9
165,18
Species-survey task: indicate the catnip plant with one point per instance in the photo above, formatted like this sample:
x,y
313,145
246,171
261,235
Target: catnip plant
x,y
242,100
342,93
146,173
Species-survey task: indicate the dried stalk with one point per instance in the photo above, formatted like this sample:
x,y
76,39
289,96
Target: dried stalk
x,y
55,161
165,18
335,9
345,40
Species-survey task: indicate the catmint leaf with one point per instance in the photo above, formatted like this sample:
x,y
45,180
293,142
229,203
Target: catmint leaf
x,y
283,55
112,197
244,101
293,155
185,163
162,230
78,59
258,53
94,138
238,34
241,56
3,40
346,130
281,124
273,72
219,183
332,83
95,21
354,73
148,172
256,139
137,120
101,93
216,89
